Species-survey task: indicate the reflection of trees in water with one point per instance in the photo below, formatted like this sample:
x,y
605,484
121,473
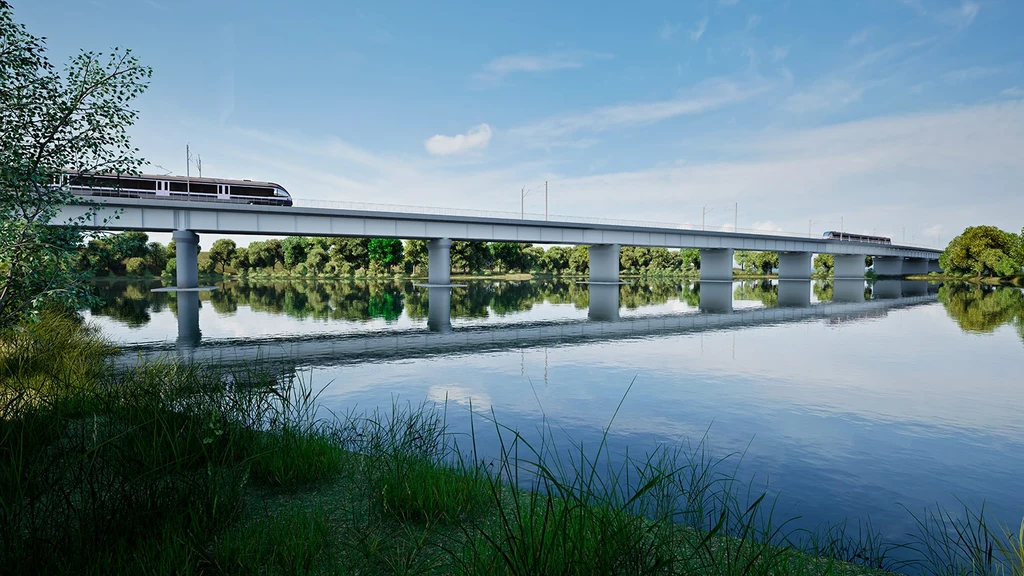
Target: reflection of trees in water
x,y
983,308
823,290
128,302
632,296
691,295
762,290
132,302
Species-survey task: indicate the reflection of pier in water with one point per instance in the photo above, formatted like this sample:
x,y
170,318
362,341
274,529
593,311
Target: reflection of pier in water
x,y
604,323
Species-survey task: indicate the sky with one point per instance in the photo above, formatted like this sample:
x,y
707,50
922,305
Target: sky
x,y
902,118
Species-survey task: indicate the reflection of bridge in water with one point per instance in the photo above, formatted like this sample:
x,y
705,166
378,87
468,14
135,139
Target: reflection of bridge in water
x,y
849,302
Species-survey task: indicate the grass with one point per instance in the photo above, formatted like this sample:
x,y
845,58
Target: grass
x,y
193,469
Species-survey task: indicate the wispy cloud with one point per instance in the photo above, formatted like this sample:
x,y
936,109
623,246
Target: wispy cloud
x,y
668,31
697,32
970,73
497,69
824,95
476,138
752,21
704,97
779,53
860,36
1014,92
961,16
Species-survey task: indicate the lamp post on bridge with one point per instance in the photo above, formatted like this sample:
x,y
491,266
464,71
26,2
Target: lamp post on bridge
x,y
704,212
809,224
522,202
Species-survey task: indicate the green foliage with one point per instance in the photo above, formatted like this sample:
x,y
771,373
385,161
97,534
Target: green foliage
x,y
982,308
135,266
50,121
294,250
317,260
386,251
759,262
289,542
825,264
470,257
222,252
983,251
579,261
690,258
416,256
171,269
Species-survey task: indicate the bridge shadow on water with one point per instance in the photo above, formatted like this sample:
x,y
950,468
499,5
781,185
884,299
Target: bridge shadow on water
x,y
609,314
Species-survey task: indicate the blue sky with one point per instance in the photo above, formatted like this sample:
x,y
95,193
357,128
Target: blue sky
x,y
889,114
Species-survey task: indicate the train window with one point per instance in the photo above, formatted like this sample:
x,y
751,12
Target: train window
x,y
193,187
138,184
101,182
251,191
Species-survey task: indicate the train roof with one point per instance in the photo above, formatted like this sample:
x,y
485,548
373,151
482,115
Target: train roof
x,y
171,178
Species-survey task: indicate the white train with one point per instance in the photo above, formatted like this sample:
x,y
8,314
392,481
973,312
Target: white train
x,y
177,188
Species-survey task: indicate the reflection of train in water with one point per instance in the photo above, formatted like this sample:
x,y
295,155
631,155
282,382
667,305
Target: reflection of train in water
x,y
846,236
177,188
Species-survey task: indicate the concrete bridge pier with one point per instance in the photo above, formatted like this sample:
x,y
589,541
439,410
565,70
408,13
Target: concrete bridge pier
x,y
915,266
847,289
604,302
189,334
439,261
439,308
186,255
849,266
794,266
794,293
933,266
604,264
716,265
715,297
888,265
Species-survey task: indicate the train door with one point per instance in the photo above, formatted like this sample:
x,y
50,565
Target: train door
x,y
163,188
223,192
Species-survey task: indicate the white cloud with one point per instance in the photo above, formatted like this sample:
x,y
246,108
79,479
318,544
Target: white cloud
x,y
697,32
962,16
498,68
475,139
706,96
752,21
779,53
1014,92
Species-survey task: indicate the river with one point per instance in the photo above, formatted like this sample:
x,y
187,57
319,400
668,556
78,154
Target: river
x,y
897,398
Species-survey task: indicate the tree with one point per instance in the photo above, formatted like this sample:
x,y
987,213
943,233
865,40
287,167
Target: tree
x,y
353,251
317,260
416,255
470,256
982,251
222,252
135,266
50,121
579,261
294,250
240,260
690,258
387,251
825,263
555,260
507,255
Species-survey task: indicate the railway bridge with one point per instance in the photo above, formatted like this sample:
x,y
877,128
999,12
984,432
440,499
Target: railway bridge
x,y
187,219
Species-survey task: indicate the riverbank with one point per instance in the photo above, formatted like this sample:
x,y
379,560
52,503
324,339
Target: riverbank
x,y
190,469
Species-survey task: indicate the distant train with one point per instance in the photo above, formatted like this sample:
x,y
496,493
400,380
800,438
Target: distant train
x,y
177,188
846,236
